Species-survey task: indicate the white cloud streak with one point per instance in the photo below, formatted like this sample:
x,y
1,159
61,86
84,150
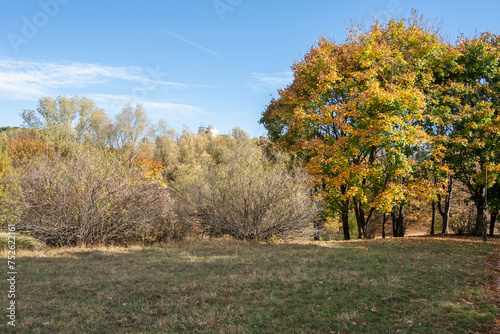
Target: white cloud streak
x,y
27,80
185,40
267,81
157,109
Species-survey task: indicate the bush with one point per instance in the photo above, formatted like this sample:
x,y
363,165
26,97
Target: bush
x,y
464,222
91,198
247,196
5,191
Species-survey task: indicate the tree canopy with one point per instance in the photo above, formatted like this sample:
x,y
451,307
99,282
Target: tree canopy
x,y
367,114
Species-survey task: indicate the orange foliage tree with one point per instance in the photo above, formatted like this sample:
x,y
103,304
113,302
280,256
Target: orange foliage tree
x,y
24,145
354,112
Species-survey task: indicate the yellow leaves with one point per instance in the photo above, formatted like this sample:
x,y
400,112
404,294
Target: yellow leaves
x,y
151,169
357,192
392,195
5,164
373,92
25,145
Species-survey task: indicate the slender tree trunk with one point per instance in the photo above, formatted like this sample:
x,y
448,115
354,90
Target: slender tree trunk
x,y
361,217
398,222
360,220
493,219
345,224
384,220
345,214
445,211
433,217
394,230
401,228
479,201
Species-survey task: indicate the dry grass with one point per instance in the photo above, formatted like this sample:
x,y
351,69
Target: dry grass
x,y
413,285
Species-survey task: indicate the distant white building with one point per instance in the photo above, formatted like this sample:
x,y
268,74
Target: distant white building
x,y
208,129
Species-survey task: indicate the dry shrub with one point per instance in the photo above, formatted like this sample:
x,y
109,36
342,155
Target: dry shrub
x,y
91,198
463,220
247,196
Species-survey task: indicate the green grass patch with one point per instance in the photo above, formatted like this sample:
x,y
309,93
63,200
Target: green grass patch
x,y
415,285
22,242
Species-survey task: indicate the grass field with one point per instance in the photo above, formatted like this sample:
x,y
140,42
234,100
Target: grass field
x,y
412,285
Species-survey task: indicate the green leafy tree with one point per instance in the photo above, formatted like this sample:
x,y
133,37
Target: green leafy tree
x,y
493,205
468,116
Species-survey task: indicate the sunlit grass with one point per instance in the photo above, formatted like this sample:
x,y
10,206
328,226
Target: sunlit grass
x,y
415,285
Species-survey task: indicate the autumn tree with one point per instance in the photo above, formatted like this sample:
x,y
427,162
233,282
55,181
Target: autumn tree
x,y
467,110
25,145
68,121
131,132
5,169
493,205
354,110
166,152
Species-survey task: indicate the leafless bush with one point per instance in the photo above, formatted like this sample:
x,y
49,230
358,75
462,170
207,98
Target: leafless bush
x,y
248,197
463,221
92,199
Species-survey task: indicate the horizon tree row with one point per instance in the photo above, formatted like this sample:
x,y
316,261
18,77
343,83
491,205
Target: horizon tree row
x,y
72,176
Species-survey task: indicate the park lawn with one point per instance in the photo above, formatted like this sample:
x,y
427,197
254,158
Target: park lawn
x,y
410,285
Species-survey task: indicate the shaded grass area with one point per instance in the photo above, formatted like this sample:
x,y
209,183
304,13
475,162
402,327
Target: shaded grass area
x,y
416,285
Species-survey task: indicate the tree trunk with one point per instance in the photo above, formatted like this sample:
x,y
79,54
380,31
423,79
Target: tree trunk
x,y
361,217
360,220
479,201
493,219
445,212
345,214
394,231
398,222
384,220
433,217
345,224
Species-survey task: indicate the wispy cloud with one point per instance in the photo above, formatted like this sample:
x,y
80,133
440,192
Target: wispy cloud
x,y
156,109
213,53
270,81
27,80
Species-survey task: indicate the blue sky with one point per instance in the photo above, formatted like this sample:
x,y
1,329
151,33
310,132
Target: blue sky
x,y
189,62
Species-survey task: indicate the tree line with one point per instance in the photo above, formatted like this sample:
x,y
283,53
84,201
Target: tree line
x,y
394,125
71,175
